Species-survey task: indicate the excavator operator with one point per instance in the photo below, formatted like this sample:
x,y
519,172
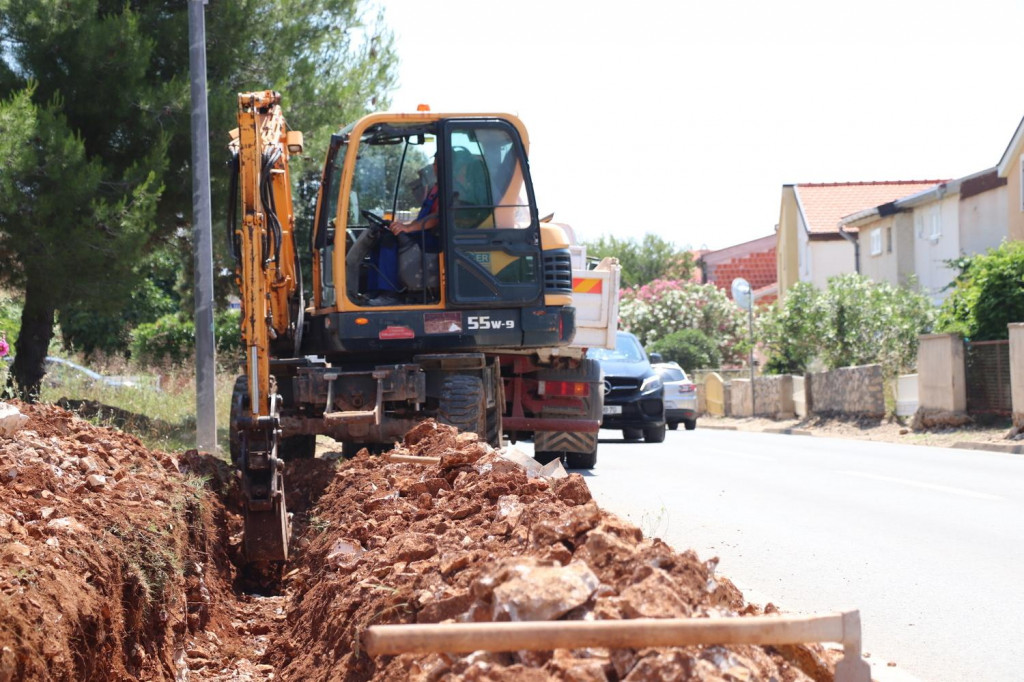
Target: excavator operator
x,y
384,276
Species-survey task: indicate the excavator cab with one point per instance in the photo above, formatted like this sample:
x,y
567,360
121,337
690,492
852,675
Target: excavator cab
x,y
486,247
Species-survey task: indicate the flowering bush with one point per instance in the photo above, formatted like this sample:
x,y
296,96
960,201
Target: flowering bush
x,y
655,310
855,321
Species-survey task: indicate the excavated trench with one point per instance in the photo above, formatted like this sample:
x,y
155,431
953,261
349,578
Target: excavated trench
x,y
118,562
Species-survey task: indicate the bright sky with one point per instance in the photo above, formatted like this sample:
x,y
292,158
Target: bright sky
x,y
685,118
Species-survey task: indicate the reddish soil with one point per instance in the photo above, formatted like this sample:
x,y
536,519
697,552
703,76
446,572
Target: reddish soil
x,y
119,563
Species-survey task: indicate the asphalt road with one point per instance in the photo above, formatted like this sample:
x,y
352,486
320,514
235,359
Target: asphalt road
x,y
928,543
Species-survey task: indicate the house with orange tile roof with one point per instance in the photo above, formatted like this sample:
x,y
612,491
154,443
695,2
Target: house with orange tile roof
x,y
913,239
809,246
754,261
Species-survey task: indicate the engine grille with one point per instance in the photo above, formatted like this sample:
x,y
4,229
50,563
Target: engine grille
x,y
557,272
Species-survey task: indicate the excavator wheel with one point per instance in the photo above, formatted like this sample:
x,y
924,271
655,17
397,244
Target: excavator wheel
x,y
494,427
463,404
239,401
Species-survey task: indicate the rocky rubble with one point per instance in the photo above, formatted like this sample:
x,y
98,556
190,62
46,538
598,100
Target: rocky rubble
x,y
116,563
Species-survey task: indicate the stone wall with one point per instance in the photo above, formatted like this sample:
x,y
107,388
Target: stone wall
x,y
773,397
854,391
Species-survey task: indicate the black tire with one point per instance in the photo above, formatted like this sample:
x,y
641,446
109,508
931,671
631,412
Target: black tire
x,y
672,426
463,404
655,435
581,460
632,434
297,447
350,450
547,456
494,427
690,424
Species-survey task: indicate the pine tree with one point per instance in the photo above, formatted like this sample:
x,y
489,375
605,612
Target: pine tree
x,y
95,141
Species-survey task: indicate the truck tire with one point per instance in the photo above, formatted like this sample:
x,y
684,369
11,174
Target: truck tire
x,y
581,460
546,456
463,404
655,434
690,424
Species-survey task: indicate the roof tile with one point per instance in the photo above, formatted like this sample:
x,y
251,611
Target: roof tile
x,y
825,203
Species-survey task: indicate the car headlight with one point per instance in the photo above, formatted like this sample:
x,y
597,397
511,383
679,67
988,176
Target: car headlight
x,y
651,384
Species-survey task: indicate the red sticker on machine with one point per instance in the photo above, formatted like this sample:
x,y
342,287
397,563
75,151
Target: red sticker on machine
x,y
393,332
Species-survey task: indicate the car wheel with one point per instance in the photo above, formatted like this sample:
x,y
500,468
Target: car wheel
x,y
672,426
632,434
690,424
655,435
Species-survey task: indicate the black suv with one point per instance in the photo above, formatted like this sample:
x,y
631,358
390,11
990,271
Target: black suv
x,y
633,392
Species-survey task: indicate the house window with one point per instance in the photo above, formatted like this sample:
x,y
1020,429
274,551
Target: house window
x,y
876,242
934,223
888,239
928,222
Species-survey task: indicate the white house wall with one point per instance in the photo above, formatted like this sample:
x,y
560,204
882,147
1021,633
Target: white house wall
x,y
930,251
983,220
803,249
829,258
882,266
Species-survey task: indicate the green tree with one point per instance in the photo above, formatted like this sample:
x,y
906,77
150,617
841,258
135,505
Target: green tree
x,y
987,295
69,227
96,142
651,259
662,307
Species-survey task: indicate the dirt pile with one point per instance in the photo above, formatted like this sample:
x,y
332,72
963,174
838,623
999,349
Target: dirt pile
x,y
117,562
104,553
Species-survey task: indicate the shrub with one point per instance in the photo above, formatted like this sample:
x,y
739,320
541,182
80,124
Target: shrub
x,y
855,321
987,295
691,348
173,338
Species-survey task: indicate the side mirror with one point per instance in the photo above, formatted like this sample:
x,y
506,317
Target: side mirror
x,y
656,357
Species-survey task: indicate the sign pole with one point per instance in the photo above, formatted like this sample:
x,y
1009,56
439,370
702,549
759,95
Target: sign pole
x,y
750,310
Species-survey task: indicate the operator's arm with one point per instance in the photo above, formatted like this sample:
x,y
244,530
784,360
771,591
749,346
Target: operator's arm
x,y
425,223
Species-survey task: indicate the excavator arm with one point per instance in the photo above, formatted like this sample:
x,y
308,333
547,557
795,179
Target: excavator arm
x,y
268,279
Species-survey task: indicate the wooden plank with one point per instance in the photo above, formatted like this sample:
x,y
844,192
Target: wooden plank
x,y
414,459
634,633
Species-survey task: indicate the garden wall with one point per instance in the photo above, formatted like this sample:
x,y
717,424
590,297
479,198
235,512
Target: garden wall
x,y
853,391
773,397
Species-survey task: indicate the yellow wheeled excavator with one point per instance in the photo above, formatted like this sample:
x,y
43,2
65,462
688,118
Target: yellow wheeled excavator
x,y
437,291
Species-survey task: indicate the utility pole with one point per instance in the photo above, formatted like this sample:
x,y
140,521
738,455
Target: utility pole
x,y
202,233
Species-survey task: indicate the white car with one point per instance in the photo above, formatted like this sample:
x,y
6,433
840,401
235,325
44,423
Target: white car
x,y
680,396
